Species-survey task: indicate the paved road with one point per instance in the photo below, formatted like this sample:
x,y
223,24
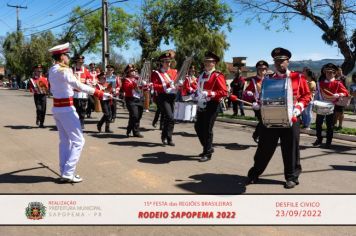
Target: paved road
x,y
112,163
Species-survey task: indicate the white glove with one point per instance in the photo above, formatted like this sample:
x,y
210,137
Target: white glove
x,y
180,82
255,106
204,94
296,112
249,93
106,96
336,95
144,83
171,90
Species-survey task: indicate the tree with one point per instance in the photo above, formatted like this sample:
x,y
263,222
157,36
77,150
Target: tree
x,y
22,55
334,17
2,56
13,53
194,26
85,30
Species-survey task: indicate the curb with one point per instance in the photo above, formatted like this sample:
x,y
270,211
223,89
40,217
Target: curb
x,y
345,137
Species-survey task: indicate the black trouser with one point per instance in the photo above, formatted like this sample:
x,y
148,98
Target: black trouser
x,y
290,151
91,105
41,103
329,127
241,106
113,109
80,105
204,125
106,109
166,105
259,125
156,117
135,107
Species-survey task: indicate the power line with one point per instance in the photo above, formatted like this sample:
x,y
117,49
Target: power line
x,y
17,14
59,18
73,20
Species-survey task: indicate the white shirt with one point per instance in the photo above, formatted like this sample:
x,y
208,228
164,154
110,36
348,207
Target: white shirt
x,y
63,82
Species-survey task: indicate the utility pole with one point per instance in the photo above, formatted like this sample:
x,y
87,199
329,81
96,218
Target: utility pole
x,y
17,15
105,33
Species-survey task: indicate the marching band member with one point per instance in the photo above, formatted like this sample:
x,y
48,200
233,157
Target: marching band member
x,y
81,98
163,84
331,90
63,82
114,83
252,93
133,100
211,90
236,89
105,103
289,136
92,81
39,88
190,84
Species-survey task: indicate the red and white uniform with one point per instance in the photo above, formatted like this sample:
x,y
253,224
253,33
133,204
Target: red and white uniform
x,y
214,84
162,80
93,80
130,87
103,87
252,85
83,76
334,86
301,92
41,85
189,86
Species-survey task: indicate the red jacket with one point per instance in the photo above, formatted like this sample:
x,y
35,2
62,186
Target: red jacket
x,y
334,86
301,92
215,85
41,85
251,85
190,85
129,86
161,81
82,74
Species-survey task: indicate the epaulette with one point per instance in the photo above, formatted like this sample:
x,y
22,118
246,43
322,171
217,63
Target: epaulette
x,y
62,67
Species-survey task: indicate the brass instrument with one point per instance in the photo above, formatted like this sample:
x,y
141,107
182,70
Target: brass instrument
x,y
183,70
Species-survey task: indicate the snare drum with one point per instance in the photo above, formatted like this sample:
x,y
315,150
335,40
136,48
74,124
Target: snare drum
x,y
323,108
276,102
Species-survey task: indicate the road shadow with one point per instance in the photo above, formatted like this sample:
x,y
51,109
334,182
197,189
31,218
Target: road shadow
x,y
339,149
344,168
12,178
136,143
106,135
185,134
21,127
165,158
234,146
210,183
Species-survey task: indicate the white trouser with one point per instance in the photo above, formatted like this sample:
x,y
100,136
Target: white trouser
x,y
71,141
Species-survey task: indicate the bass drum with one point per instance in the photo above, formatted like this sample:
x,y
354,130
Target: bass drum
x,y
277,102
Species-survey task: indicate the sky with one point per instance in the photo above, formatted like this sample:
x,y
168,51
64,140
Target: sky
x,y
252,41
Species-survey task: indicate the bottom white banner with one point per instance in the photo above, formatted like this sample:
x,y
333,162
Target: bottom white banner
x,y
178,210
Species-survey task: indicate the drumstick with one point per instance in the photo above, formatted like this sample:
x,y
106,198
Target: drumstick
x,y
246,102
328,92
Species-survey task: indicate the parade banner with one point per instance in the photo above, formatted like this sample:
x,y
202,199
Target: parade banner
x,y
178,209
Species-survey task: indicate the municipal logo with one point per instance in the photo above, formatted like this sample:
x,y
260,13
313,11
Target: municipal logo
x,y
35,211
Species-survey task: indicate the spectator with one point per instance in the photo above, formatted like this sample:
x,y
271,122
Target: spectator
x,y
236,88
307,114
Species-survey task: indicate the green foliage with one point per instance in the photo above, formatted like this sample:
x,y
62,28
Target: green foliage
x,y
22,55
194,26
